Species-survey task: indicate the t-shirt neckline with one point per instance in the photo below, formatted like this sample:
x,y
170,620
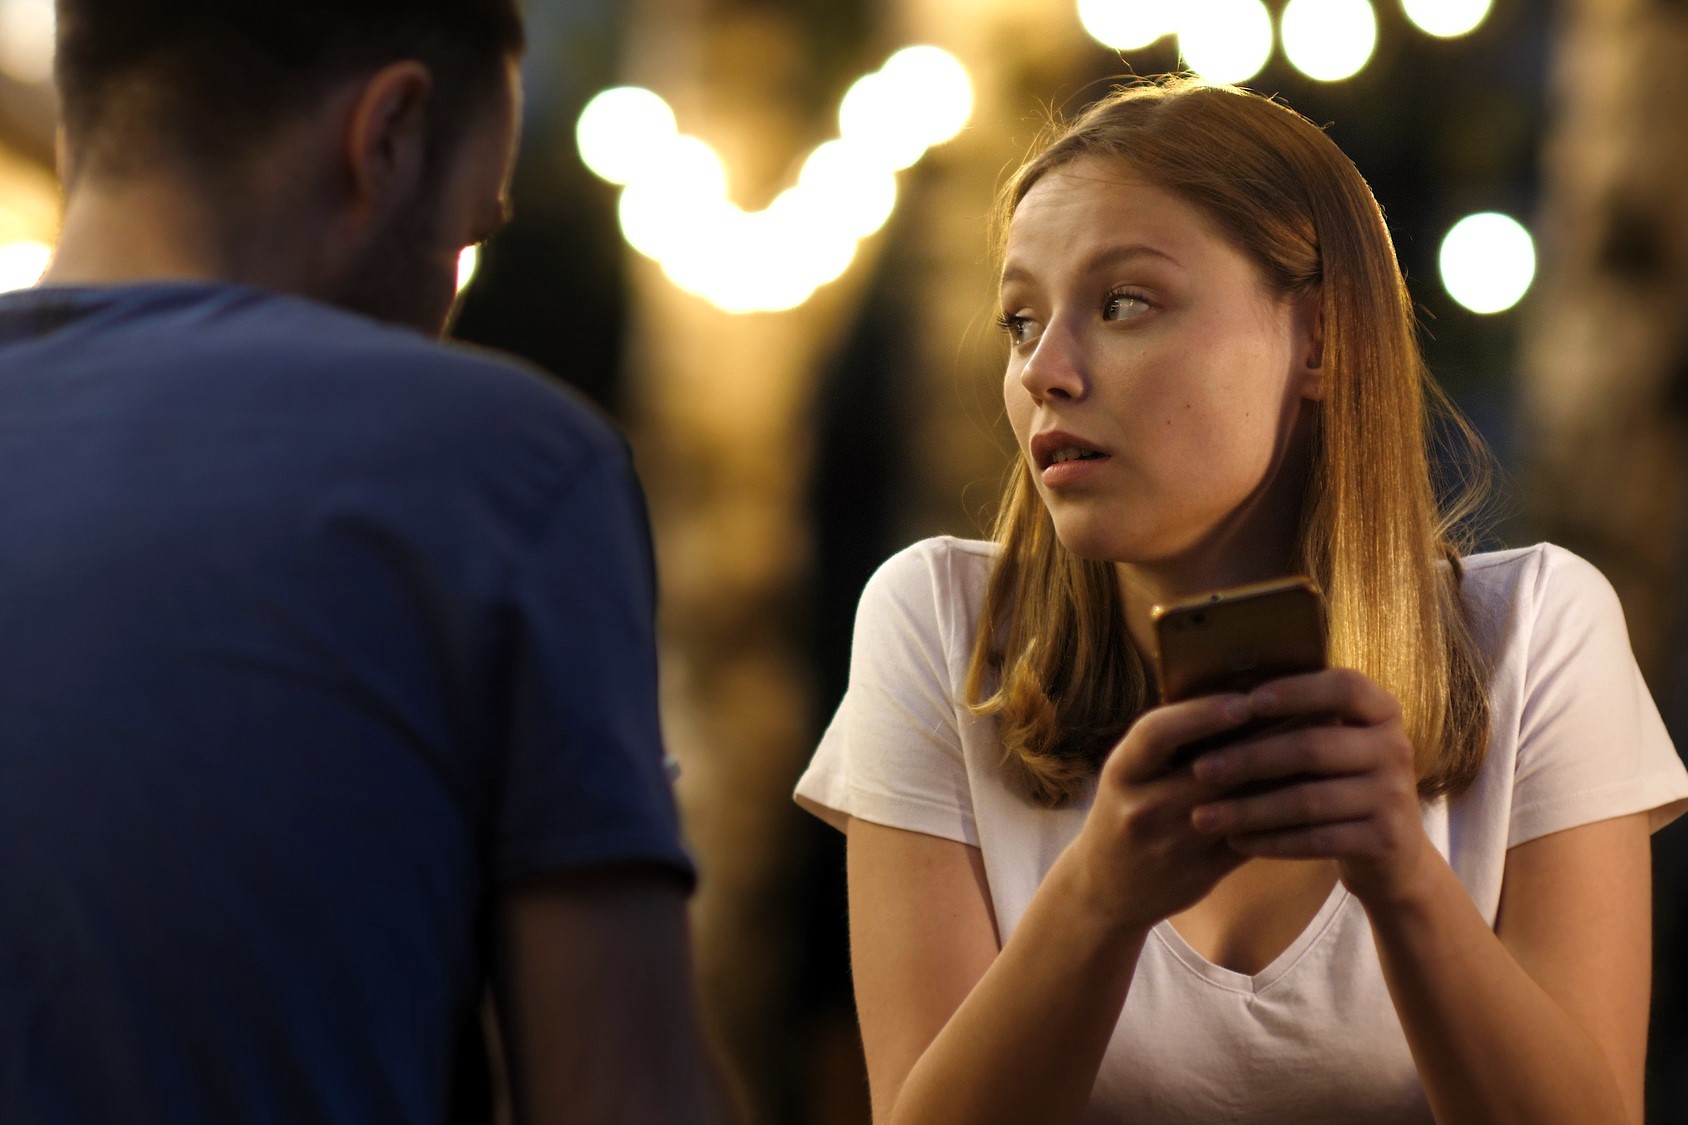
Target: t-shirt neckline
x,y
1233,981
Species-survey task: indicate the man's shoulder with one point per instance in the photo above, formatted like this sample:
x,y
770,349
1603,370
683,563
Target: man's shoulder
x,y
328,351
242,349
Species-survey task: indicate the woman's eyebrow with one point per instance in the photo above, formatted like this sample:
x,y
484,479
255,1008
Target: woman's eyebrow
x,y
1101,259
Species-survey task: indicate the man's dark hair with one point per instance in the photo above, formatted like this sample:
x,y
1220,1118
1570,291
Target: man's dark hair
x,y
208,81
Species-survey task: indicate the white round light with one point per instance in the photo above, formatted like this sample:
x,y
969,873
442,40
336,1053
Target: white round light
x,y
1488,261
1447,18
934,90
771,272
874,119
1126,25
1225,41
22,264
26,39
809,237
707,257
848,188
1329,40
623,132
662,210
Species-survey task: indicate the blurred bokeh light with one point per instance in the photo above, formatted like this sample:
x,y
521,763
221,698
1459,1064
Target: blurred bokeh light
x,y
26,40
1225,41
1446,18
1488,261
623,132
1126,25
22,264
920,97
676,209
1329,40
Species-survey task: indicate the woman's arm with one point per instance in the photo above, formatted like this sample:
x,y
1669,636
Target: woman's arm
x,y
1547,1021
1543,1019
955,1031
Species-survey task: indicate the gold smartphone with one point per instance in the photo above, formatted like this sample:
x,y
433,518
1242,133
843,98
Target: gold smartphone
x,y
1238,638
1234,640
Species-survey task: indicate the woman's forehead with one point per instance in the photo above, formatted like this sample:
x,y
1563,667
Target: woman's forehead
x,y
1092,202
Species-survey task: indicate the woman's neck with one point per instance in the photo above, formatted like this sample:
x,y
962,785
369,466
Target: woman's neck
x,y
1259,541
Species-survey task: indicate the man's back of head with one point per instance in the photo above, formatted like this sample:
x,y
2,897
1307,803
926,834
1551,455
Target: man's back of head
x,y
341,151
204,82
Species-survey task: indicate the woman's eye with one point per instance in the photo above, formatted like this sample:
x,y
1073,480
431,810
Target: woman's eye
x,y
1124,306
1018,327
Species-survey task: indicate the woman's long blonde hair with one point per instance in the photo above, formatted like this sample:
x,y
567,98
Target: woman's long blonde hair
x,y
1052,660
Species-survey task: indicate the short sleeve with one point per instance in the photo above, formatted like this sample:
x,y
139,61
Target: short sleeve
x,y
584,782
1591,744
893,752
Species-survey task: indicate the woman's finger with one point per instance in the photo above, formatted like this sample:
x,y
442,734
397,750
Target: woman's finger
x,y
1157,738
1327,801
1340,693
1318,750
1336,840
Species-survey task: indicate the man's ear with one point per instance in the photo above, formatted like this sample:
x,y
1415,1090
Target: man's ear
x,y
1310,345
386,138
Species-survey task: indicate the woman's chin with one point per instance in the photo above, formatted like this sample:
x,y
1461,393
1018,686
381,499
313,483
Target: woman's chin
x,y
1095,542
1100,545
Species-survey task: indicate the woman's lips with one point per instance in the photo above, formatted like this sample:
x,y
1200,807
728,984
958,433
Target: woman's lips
x,y
1065,459
1062,474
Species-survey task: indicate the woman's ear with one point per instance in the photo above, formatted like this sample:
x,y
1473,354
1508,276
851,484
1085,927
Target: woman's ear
x,y
1310,345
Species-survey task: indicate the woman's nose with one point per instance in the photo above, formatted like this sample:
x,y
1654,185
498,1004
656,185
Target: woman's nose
x,y
1056,367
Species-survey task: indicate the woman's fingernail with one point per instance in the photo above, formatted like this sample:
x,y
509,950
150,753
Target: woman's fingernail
x,y
1264,699
1205,818
1208,767
1236,708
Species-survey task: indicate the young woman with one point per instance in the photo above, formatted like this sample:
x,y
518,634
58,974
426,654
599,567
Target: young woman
x,y
1433,904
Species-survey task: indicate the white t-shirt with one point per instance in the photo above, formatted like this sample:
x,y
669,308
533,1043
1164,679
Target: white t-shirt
x,y
1313,1037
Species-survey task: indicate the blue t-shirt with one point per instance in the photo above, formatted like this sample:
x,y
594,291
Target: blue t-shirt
x,y
313,634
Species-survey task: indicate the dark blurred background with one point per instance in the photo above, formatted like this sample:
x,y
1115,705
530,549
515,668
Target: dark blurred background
x,y
788,452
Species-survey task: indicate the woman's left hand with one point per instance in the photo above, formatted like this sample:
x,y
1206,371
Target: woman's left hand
x,y
1342,788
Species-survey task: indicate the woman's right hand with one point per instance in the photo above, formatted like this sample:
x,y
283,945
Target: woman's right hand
x,y
1138,857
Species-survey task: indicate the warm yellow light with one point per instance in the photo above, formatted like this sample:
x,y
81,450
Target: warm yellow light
x,y
623,132
809,238
22,264
1329,39
760,261
26,39
674,207
467,263
1488,261
1225,41
874,122
849,188
934,88
782,257
1447,18
1126,25
688,187
920,97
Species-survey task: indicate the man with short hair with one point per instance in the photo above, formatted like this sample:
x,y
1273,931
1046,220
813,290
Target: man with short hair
x,y
327,672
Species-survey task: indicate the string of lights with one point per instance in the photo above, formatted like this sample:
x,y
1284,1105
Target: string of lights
x,y
675,207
